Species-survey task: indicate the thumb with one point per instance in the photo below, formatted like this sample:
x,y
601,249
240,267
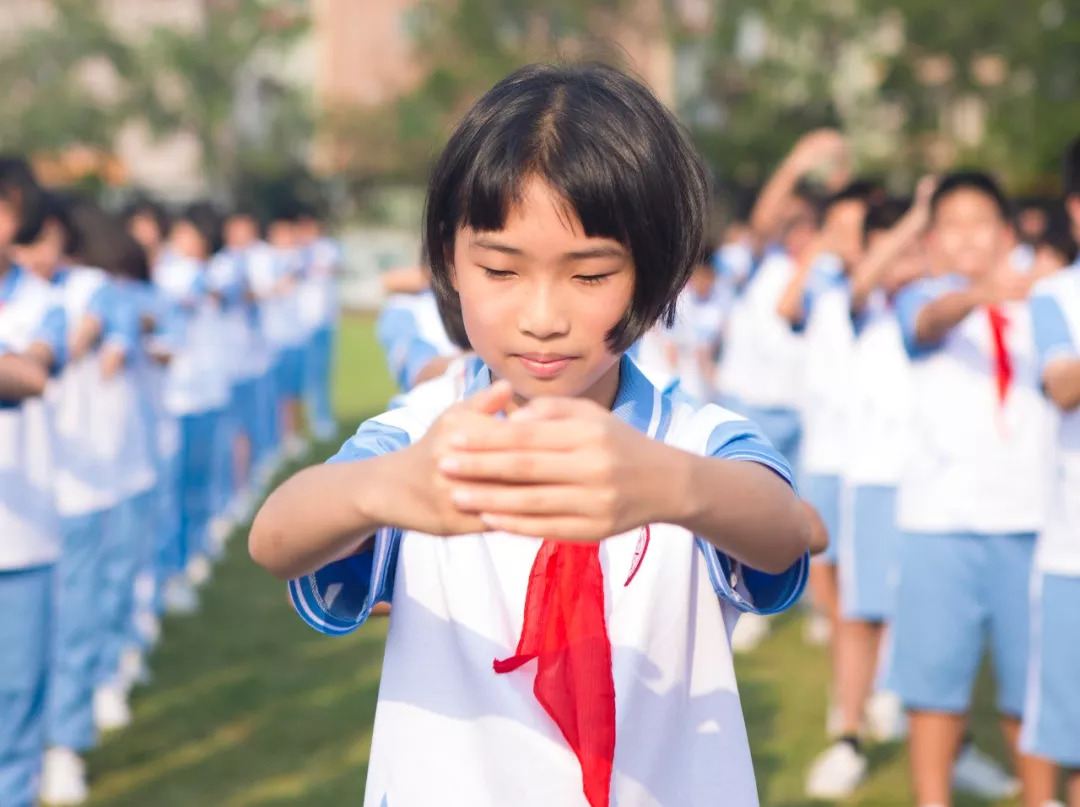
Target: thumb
x,y
491,400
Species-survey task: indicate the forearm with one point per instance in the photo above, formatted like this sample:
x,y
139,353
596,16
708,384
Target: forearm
x,y
939,317
768,211
742,508
21,377
319,515
867,274
1062,383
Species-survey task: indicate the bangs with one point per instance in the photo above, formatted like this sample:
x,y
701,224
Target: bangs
x,y
607,147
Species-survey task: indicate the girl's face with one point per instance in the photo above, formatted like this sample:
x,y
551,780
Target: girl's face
x,y
144,229
186,239
539,297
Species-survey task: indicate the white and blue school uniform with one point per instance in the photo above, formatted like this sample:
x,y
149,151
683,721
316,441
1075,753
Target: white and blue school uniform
x,y
698,328
971,500
878,437
319,309
287,333
761,370
412,334
90,449
826,407
1052,710
257,393
680,732
196,393
131,527
30,544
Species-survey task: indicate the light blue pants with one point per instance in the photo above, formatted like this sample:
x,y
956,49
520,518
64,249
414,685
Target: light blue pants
x,y
317,383
129,528
222,475
78,635
197,452
267,435
26,612
164,551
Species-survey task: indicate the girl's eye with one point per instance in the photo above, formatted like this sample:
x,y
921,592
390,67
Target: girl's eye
x,y
497,274
592,280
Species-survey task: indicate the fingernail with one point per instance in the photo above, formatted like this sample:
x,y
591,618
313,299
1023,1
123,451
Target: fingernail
x,y
460,496
522,413
489,520
458,440
449,464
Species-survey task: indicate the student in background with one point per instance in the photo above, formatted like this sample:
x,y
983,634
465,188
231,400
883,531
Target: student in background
x,y
1051,729
32,346
320,310
972,497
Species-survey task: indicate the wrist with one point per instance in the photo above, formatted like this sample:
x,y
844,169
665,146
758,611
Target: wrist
x,y
669,494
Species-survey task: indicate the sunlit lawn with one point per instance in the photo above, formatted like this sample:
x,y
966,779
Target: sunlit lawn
x,y
248,707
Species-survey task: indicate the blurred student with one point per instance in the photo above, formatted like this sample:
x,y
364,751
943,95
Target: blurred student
x,y
972,497
32,347
1051,729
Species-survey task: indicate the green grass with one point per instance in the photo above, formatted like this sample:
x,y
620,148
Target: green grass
x,y
250,708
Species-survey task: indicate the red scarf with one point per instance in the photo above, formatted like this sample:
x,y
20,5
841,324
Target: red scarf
x,y
564,631
1003,369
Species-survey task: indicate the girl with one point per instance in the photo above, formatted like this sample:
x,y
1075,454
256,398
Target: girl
x,y
563,219
31,346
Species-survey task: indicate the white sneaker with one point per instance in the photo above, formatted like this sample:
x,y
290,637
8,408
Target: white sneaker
x,y
221,528
63,778
133,669
148,627
295,447
179,596
817,630
836,773
885,719
750,631
199,570
145,589
978,775
111,711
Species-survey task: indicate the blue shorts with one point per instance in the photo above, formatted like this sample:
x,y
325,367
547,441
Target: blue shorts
x,y
244,405
822,492
868,545
954,588
1052,710
290,372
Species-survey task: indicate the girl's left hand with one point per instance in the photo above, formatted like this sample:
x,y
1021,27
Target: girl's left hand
x,y
558,468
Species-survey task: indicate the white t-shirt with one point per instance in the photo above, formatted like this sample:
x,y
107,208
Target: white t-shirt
x,y
29,525
198,379
318,294
977,464
449,731
763,358
879,432
699,325
829,346
1055,308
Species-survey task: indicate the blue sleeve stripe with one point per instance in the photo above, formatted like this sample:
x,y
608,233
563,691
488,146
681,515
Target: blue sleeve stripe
x,y
1052,335
417,355
301,596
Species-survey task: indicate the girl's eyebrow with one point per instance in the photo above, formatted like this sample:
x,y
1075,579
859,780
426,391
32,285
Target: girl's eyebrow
x,y
604,251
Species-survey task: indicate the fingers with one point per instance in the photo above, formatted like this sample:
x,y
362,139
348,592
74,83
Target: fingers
x,y
515,467
524,435
526,500
555,409
490,401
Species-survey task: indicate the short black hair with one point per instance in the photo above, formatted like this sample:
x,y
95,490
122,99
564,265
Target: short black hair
x,y
858,190
882,216
979,181
1058,235
601,140
1072,168
20,189
205,218
145,206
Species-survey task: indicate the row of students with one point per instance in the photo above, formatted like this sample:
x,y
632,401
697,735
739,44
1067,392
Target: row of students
x,y
894,355
133,437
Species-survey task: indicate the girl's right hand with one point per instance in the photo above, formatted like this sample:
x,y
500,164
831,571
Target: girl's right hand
x,y
419,498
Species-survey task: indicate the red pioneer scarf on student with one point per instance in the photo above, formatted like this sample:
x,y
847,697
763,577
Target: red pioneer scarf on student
x,y
1003,369
564,630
